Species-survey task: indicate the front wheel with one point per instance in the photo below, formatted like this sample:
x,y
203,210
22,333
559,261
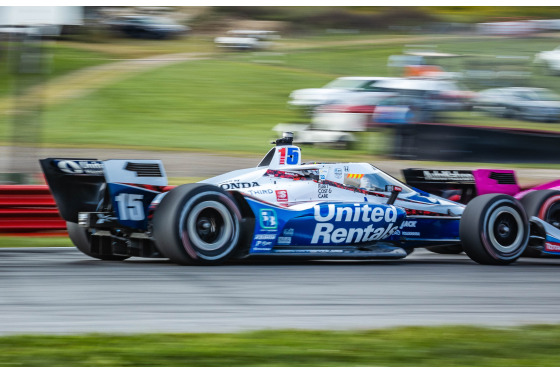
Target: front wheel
x,y
494,229
197,224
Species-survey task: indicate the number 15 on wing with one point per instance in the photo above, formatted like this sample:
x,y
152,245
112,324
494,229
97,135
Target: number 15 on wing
x,y
289,156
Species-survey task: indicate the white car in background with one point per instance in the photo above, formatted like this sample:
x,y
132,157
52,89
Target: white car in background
x,y
550,60
247,40
337,90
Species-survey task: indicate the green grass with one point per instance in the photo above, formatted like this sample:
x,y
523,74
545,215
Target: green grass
x,y
409,346
205,105
34,241
59,59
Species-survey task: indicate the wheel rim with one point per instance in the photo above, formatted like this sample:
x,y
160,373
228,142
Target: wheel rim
x,y
210,226
505,229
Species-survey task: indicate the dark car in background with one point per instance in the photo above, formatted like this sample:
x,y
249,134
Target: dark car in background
x,y
529,103
401,109
146,27
443,94
351,113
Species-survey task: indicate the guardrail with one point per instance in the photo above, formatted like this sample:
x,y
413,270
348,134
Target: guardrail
x,y
29,210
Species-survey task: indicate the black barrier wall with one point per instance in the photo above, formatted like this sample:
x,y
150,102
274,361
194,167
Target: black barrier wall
x,y
441,142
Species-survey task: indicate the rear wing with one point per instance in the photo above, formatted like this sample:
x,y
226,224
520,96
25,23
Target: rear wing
x,y
81,185
466,184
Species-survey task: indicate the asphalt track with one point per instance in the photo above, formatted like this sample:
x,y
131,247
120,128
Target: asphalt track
x,y
60,290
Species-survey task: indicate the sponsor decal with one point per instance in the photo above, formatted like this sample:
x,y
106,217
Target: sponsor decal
x,y
323,174
263,244
268,219
80,167
282,196
410,233
284,240
265,237
358,213
338,173
325,232
409,224
324,191
262,192
288,232
234,186
441,175
552,247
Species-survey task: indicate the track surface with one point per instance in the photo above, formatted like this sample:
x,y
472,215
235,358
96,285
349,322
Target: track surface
x,y
60,290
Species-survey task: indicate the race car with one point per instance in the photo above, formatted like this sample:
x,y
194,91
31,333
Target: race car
x,y
283,207
540,202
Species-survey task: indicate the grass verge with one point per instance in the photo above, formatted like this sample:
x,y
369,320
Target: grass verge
x,y
12,241
408,346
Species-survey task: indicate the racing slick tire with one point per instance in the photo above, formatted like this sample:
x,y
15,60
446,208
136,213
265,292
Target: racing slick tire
x,y
494,229
81,237
197,224
543,204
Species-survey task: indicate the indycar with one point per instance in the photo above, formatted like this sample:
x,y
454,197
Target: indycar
x,y
116,209
540,202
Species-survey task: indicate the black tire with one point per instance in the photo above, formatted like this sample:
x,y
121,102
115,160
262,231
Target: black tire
x,y
197,224
446,249
81,237
544,204
494,229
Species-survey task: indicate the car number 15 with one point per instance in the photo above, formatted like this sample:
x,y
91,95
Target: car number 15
x,y
289,156
130,207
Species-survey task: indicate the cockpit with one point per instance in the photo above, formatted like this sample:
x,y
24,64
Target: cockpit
x,y
374,181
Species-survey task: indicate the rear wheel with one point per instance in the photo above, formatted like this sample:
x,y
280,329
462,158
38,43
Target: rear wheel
x,y
81,237
494,229
197,224
544,204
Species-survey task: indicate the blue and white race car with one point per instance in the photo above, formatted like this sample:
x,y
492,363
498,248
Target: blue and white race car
x,y
116,209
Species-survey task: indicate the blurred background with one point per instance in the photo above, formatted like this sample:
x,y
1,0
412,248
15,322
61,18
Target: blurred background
x,y
400,85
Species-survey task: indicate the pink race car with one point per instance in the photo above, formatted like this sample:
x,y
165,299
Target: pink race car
x,y
541,202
